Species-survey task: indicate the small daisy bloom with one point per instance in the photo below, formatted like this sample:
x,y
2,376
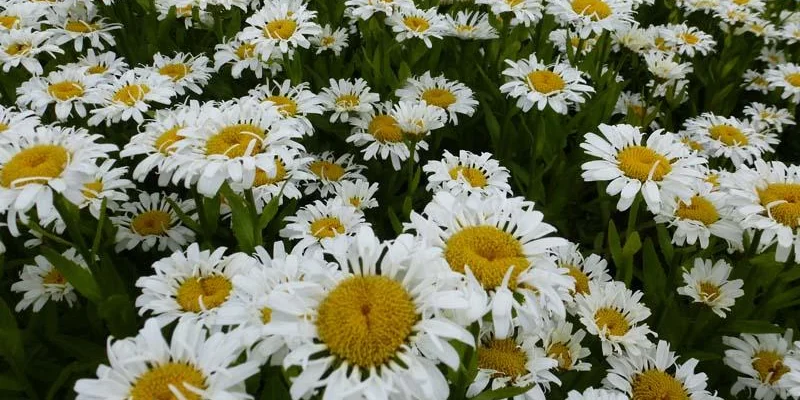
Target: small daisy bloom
x,y
184,10
185,70
755,81
359,193
785,77
81,24
380,135
560,37
534,83
688,40
68,89
105,65
282,25
526,12
326,170
286,181
411,22
330,39
346,98
635,109
318,221
760,359
452,96
240,55
768,118
729,137
417,120
365,9
130,96
107,184
583,270
596,394
14,123
467,173
471,26
790,32
664,67
294,102
42,282
564,345
592,16
709,285
22,46
152,222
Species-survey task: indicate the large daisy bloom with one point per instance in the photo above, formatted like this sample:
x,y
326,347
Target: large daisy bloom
x,y
41,282
592,16
785,77
661,166
467,173
709,285
152,222
728,137
412,22
281,25
535,83
364,9
187,72
380,135
760,359
378,328
192,365
130,96
320,221
451,96
68,89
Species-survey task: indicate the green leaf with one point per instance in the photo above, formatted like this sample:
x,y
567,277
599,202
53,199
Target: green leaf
x,y
614,246
752,326
10,383
185,219
79,277
118,311
503,393
396,224
653,276
242,224
10,337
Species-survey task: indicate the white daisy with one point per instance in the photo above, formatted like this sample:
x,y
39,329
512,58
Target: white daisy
x,y
359,193
378,132
768,118
791,380
467,173
785,77
79,24
417,120
14,123
728,137
294,102
330,39
184,70
184,10
755,81
365,9
664,67
290,173
772,55
587,16
535,83
596,394
42,282
22,46
240,55
152,222
66,88
21,15
559,38
326,170
105,65
282,25
129,96
760,359
108,184
451,96
346,98
709,285
470,25
319,221
582,270
635,109
688,40
526,12
564,346
414,23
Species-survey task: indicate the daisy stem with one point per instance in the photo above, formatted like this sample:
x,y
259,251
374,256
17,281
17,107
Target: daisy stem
x,y
33,225
633,215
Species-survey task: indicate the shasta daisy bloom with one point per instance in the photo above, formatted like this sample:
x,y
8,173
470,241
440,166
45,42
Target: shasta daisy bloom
x,y
564,346
330,39
195,364
792,378
634,108
467,173
632,37
526,12
129,96
380,135
417,120
152,222
761,361
294,102
729,137
105,65
326,170
42,282
185,70
414,23
661,166
785,77
365,9
22,46
451,96
191,283
502,246
768,118
320,220
346,98
689,40
655,374
470,26
559,38
596,394
359,193
709,285
107,184
66,88
184,10
79,24
592,16
755,81
240,55
286,179
46,161
582,270
616,315
282,25
790,32
535,83
664,67
21,15
14,122
376,328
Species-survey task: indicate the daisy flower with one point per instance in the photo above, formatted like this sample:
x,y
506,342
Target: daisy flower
x,y
728,137
318,221
290,173
105,65
346,98
768,118
380,135
330,39
564,346
451,96
42,282
68,89
467,173
655,374
365,9
282,25
583,270
782,76
14,122
108,184
294,102
417,120
326,170
21,15
377,328
191,283
152,222
559,38
470,25
708,212
194,364
240,55
359,193
592,16
184,70
760,359
616,315
79,24
632,37
22,46
130,96
661,166
790,32
184,10
709,285
755,81
535,83
635,109
596,394
688,40
411,22
792,378
664,67
526,12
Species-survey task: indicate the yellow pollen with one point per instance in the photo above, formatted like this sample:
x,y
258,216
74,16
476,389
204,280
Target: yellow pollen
x,y
637,162
159,382
545,81
355,202
80,26
637,110
384,129
438,97
245,50
730,135
694,145
581,279
473,176
597,9
92,189
97,69
266,315
37,164
327,170
153,222
348,101
661,44
769,365
700,210
327,41
184,11
655,384
463,28
262,179
9,21
54,277
611,321
793,79
3,127
233,140
211,290
175,71
280,29
504,356
513,3
327,227
366,320
416,24
708,291
560,352
286,106
689,38
488,252
130,94
18,49
65,90
713,179
760,81
165,141
787,212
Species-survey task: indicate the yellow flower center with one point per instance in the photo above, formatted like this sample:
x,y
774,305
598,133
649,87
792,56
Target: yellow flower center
x,y
504,356
327,170
473,176
175,71
327,227
689,38
53,277
655,384
153,222
637,162
793,79
161,382
245,50
327,41
560,352
611,321
348,101
513,3
463,28
545,81
638,111
581,279
165,141
769,365
8,21
210,291
36,164
384,128
700,210
438,97
759,81
708,291
97,69
694,145
80,26
488,252
355,202
788,211
262,179
233,141
65,90
730,135
266,315
365,320
18,49
130,94
713,179
280,29
597,9
92,189
286,106
416,24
